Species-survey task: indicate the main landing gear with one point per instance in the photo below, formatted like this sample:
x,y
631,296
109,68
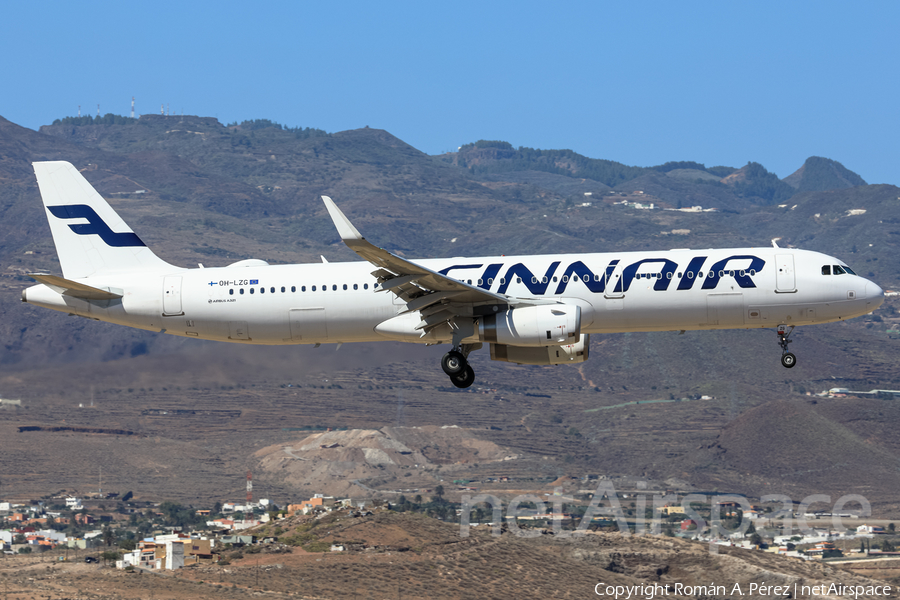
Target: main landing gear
x,y
788,360
457,367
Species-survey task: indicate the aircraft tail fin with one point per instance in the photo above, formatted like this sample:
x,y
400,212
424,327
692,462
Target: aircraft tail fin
x,y
89,236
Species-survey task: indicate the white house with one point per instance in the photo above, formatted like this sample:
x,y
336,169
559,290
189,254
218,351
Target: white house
x,y
174,555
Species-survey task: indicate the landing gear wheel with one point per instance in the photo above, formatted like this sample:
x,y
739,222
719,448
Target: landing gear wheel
x,y
788,360
464,379
454,363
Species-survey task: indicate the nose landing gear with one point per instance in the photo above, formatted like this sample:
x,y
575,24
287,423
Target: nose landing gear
x,y
788,360
455,365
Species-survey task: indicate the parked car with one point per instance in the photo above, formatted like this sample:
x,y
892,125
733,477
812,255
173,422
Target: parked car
x,y
91,559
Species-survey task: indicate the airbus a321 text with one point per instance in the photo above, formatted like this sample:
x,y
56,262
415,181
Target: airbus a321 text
x,y
537,310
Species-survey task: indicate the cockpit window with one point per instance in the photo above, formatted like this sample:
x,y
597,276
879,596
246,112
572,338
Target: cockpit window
x,y
826,270
849,270
838,270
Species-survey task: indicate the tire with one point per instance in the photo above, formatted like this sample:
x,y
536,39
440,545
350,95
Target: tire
x,y
464,379
788,360
453,363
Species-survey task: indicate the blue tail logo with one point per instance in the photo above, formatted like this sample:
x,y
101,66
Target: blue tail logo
x,y
94,226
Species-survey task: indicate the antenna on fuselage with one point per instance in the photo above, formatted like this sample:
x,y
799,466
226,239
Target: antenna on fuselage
x,y
775,243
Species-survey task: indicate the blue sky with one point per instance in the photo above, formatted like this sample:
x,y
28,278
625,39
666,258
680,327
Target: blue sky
x,y
640,82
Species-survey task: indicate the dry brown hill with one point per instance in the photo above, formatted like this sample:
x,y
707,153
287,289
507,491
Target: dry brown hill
x,y
836,446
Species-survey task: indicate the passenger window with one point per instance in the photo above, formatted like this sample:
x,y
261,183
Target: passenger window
x,y
826,270
365,286
282,289
355,286
544,280
294,288
669,275
480,282
690,274
313,288
518,280
490,281
242,291
334,287
837,270
231,292
273,290
345,286
534,280
554,279
752,272
252,290
596,278
565,279
261,291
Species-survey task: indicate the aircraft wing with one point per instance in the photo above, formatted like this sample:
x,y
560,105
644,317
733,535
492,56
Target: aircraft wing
x,y
419,286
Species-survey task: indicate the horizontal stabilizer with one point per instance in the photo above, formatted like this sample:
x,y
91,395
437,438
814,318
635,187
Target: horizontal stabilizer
x,y
67,287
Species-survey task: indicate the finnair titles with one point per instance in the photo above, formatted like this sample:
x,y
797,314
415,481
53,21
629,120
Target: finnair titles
x,y
537,310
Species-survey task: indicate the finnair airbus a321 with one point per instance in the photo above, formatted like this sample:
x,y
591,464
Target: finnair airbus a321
x,y
536,310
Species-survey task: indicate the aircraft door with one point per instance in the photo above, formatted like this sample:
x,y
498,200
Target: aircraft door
x,y
615,285
784,277
172,296
308,325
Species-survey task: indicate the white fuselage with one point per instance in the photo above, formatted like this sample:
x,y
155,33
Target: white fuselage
x,y
617,292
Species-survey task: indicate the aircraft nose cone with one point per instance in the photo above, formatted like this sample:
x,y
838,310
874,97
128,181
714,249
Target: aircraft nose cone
x,y
874,295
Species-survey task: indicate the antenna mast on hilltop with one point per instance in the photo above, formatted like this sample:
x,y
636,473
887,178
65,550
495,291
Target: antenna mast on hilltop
x,y
132,107
249,487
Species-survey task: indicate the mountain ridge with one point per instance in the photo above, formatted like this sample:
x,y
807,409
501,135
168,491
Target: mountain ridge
x,y
253,193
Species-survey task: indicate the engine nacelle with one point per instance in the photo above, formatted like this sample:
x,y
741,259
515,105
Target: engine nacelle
x,y
546,325
550,355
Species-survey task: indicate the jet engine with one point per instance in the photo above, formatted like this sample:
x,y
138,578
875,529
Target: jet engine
x,y
545,325
549,355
